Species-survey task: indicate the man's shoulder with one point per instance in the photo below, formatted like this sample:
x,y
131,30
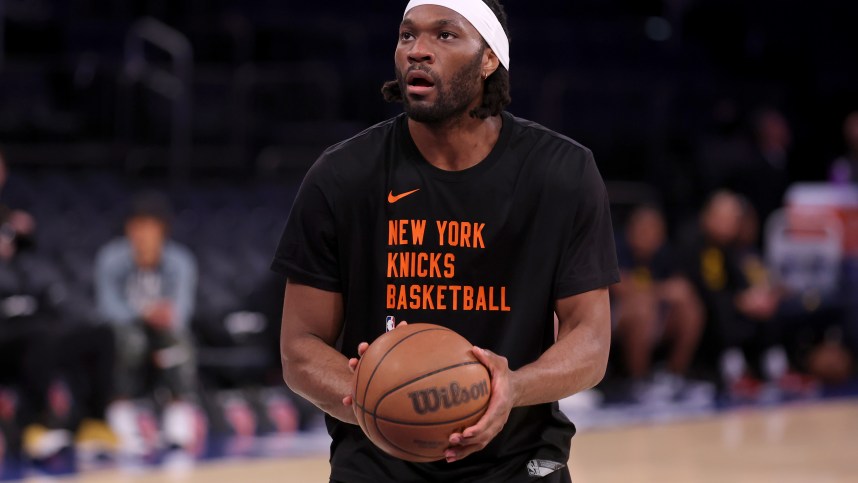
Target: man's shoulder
x,y
351,160
560,160
363,143
546,138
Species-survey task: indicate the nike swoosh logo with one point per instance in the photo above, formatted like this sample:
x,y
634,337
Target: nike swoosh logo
x,y
393,199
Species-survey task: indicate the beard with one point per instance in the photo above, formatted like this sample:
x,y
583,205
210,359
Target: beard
x,y
451,101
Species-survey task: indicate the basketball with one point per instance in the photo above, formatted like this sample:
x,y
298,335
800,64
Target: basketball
x,y
415,386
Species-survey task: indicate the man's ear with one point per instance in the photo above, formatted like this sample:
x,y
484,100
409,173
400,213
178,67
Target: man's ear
x,y
490,63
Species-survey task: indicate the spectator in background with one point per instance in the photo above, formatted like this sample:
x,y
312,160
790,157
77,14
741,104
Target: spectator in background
x,y
60,366
145,286
845,168
654,304
738,311
17,227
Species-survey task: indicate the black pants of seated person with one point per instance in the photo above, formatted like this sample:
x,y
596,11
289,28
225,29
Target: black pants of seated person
x,y
34,354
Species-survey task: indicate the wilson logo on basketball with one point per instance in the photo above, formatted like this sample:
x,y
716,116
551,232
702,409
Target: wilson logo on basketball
x,y
431,400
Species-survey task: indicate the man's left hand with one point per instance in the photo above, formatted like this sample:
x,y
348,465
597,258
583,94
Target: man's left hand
x,y
478,436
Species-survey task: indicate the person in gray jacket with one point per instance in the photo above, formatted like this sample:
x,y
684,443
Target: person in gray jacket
x,y
145,287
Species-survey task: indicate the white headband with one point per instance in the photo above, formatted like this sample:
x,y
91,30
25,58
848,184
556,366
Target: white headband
x,y
481,17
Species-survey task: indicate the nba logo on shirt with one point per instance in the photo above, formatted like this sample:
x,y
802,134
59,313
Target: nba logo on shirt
x,y
390,323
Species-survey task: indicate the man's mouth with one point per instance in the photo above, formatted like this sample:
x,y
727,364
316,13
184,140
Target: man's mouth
x,y
419,83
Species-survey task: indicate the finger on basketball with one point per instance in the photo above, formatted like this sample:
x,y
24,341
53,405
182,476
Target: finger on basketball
x,y
362,347
347,401
486,357
486,425
461,452
476,430
353,362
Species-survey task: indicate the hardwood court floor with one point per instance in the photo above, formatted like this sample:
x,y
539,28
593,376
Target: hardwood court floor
x,y
815,443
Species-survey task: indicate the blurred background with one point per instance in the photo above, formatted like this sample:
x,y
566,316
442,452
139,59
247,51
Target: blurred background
x,y
152,150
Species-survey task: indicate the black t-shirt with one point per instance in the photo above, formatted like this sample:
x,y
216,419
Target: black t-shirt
x,y
485,251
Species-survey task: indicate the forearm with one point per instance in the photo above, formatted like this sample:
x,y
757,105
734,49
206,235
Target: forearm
x,y
577,361
573,364
320,374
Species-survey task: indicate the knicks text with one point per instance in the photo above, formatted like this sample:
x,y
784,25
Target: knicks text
x,y
449,240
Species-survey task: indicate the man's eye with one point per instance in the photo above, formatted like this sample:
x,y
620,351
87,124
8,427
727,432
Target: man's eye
x,y
405,36
447,35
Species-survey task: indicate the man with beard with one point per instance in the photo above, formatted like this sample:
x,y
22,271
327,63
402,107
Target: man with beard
x,y
413,217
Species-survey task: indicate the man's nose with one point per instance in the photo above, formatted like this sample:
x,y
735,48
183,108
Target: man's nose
x,y
420,52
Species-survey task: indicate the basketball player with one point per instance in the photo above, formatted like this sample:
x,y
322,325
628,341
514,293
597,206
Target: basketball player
x,y
459,214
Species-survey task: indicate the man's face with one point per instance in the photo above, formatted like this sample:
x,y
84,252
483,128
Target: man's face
x,y
439,64
146,235
722,219
646,233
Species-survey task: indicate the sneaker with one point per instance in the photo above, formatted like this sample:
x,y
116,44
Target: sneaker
x,y
732,365
697,393
658,390
41,443
123,419
94,435
185,427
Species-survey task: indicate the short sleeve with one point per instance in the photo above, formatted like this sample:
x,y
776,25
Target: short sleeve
x,y
589,260
307,253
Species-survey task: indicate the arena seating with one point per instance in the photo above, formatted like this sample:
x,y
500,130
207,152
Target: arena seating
x,y
232,229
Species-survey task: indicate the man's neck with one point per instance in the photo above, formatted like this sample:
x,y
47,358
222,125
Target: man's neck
x,y
456,145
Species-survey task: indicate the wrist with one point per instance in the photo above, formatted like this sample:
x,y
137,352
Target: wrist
x,y
515,388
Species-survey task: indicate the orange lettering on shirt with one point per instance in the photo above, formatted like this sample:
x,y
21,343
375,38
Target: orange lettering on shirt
x,y
449,265
453,234
455,289
402,303
392,229
478,235
418,228
439,303
391,265
428,303
467,298
442,227
391,296
422,258
481,298
466,235
415,297
492,306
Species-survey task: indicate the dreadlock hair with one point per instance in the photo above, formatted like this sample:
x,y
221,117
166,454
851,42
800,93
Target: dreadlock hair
x,y
496,86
